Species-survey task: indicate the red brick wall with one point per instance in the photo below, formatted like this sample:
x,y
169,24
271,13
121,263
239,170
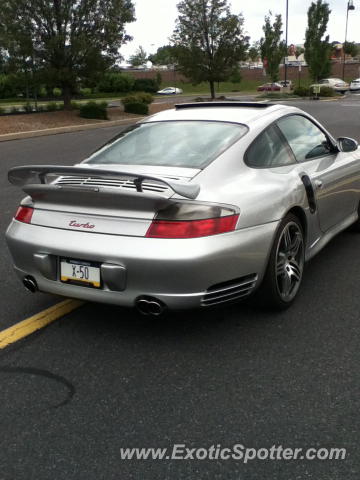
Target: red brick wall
x,y
352,70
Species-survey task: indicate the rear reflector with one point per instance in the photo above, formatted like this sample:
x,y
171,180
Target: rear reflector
x,y
24,214
192,228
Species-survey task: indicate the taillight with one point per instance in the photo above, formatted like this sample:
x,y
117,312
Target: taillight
x,y
190,220
24,214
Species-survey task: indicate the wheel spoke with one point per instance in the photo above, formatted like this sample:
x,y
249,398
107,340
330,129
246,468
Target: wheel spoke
x,y
287,238
286,285
295,270
295,245
280,265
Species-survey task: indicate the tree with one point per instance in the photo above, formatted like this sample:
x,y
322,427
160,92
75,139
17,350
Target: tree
x,y
139,57
164,55
209,41
350,48
317,49
67,39
299,51
254,51
272,48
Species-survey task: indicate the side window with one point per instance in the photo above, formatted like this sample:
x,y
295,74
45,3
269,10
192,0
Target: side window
x,y
269,150
306,140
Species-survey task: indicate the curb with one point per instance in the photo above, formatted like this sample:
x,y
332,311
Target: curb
x,y
68,129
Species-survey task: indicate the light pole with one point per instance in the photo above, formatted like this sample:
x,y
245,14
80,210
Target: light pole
x,y
350,6
286,37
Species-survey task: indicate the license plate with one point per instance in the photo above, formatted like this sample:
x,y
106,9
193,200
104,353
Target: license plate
x,y
81,272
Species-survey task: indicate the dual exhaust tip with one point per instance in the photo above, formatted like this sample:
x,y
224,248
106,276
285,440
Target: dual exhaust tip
x,y
150,306
145,305
30,284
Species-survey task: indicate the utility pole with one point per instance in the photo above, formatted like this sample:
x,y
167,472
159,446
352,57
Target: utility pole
x,y
286,38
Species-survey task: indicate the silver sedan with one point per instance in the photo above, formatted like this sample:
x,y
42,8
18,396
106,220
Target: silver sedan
x,y
196,206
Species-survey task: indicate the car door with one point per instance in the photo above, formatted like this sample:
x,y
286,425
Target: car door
x,y
334,174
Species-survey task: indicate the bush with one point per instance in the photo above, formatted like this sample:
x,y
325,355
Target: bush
x,y
94,110
302,91
85,92
14,109
146,85
137,107
75,105
10,85
27,108
42,92
141,97
57,92
2,111
51,107
327,92
116,82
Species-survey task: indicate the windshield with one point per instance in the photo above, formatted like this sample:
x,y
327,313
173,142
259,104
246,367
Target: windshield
x,y
190,144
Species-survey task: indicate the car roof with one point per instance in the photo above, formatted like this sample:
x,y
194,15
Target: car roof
x,y
236,112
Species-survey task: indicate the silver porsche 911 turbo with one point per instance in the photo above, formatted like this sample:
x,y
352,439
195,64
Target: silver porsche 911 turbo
x,y
192,207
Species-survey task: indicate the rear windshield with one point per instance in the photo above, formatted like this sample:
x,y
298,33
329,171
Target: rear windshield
x,y
191,144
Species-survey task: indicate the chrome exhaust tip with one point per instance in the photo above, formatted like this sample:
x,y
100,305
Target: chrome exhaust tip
x,y
30,284
150,306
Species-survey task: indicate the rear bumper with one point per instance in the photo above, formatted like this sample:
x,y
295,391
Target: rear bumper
x,y
178,272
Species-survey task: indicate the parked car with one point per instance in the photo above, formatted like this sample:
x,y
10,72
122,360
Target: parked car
x,y
170,91
286,83
195,206
336,84
269,87
355,85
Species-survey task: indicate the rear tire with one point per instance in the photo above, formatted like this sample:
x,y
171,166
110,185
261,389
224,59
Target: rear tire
x,y
284,272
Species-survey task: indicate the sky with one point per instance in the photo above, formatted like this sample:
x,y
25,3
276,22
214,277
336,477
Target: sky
x,y
156,19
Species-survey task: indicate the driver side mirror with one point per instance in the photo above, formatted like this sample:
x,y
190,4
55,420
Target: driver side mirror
x,y
347,144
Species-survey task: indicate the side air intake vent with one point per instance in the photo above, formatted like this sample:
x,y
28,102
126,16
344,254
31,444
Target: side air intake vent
x,y
229,291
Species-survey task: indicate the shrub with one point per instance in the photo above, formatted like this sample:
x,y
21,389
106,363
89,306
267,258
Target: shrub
x,y
42,92
302,91
11,85
27,108
94,110
75,105
2,111
57,92
116,82
145,97
41,108
327,92
14,109
85,92
141,97
137,107
146,85
51,107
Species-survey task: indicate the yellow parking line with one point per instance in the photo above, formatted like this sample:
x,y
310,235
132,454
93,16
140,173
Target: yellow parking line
x,y
40,320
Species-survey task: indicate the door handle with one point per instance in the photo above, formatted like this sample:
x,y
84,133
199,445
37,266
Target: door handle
x,y
318,184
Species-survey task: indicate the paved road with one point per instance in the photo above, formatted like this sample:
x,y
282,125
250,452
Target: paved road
x,y
103,378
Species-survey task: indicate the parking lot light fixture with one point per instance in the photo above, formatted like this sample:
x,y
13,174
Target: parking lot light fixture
x,y
350,6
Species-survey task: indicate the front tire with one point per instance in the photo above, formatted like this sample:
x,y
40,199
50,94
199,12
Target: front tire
x,y
284,272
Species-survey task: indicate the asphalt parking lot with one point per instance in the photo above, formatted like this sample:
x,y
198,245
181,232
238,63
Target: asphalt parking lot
x,y
102,378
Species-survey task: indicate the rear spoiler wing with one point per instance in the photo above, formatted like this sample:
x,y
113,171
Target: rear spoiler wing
x,y
33,175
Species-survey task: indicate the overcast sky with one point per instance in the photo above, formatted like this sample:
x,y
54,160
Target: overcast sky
x,y
156,19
